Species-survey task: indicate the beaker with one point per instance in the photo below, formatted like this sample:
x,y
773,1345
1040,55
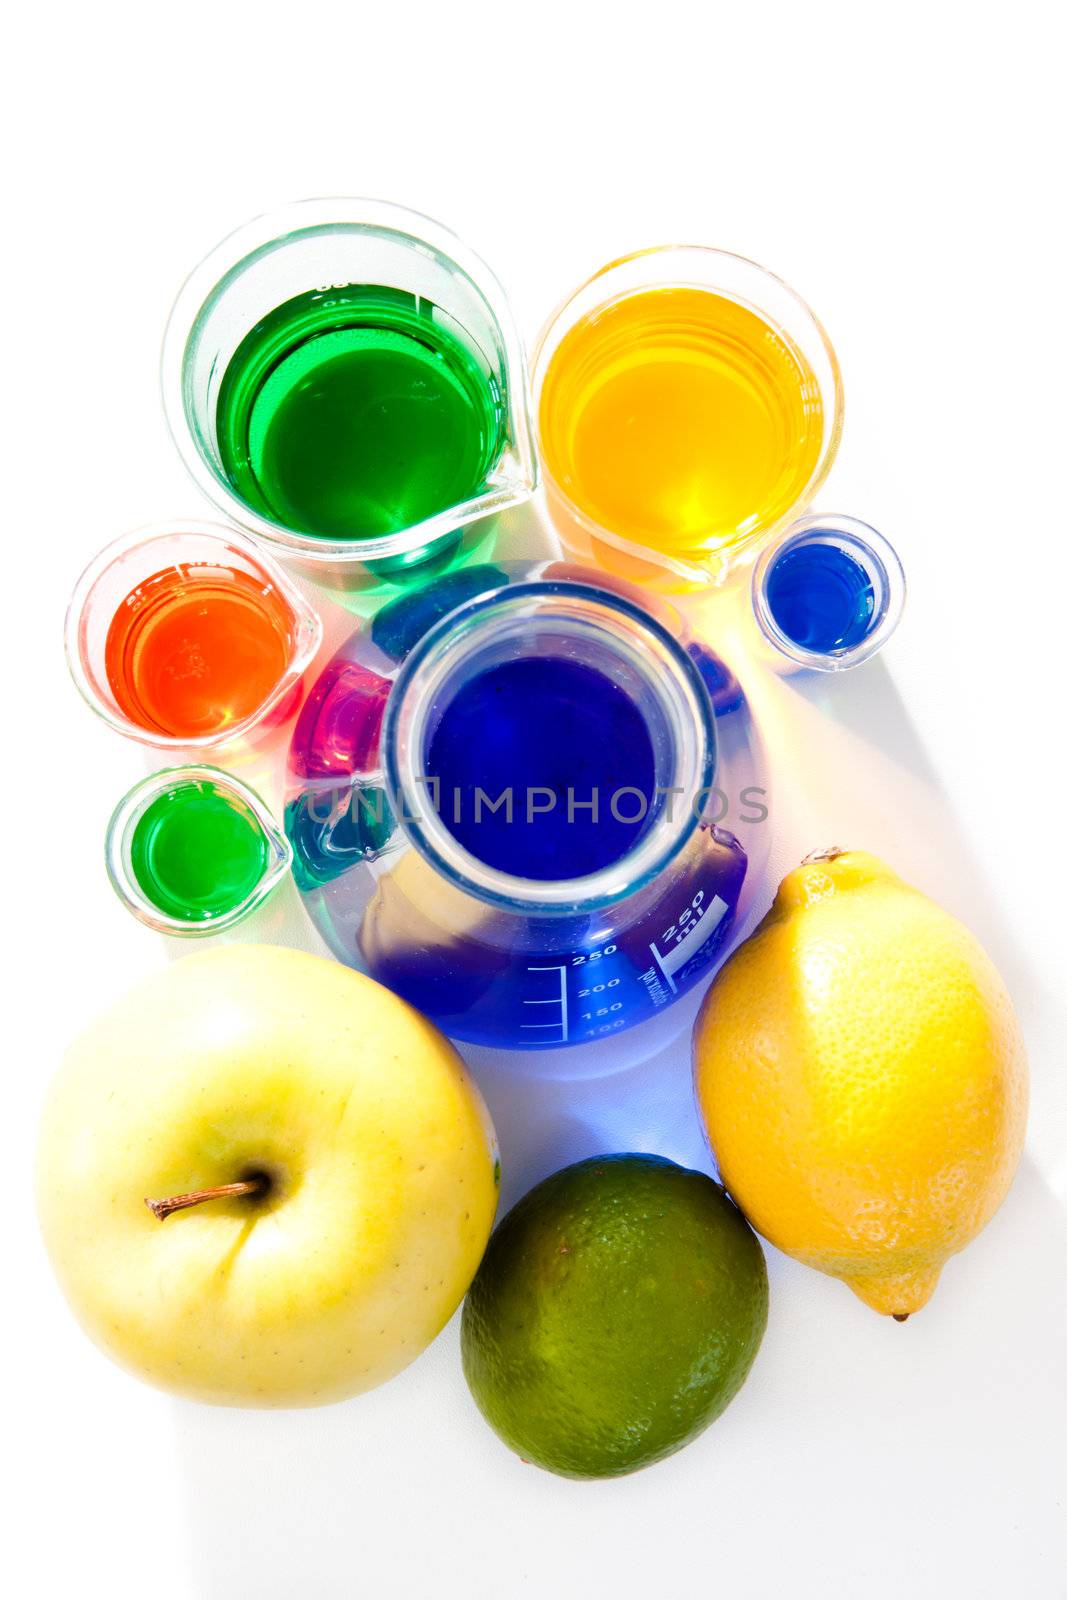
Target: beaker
x,y
528,802
688,403
828,593
344,379
191,851
187,636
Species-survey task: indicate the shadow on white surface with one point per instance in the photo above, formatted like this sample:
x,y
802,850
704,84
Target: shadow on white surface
x,y
850,1430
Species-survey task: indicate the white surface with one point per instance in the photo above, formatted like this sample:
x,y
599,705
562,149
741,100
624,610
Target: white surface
x,y
898,165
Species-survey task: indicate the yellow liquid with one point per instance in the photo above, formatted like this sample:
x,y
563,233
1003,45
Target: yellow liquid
x,y
680,420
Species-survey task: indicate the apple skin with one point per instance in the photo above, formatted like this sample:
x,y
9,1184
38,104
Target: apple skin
x,y
380,1153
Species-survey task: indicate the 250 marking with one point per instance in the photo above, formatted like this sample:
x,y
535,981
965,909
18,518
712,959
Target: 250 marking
x,y
692,913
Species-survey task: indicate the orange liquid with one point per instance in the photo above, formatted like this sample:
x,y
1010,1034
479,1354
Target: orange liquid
x,y
194,650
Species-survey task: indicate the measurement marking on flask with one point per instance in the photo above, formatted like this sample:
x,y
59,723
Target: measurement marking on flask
x,y
703,926
559,1000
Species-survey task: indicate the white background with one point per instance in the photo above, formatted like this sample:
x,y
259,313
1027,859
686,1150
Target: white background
x,y
902,166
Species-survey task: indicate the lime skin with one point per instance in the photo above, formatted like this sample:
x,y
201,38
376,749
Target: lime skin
x,y
615,1314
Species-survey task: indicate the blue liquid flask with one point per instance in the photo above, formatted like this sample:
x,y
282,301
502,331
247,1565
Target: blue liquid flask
x,y
530,804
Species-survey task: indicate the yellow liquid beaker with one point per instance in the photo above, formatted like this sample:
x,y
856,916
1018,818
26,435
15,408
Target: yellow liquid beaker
x,y
687,403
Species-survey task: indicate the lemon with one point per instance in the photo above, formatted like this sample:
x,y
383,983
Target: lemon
x,y
862,1079
616,1313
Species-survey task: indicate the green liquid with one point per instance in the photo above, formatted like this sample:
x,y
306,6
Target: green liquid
x,y
353,413
197,853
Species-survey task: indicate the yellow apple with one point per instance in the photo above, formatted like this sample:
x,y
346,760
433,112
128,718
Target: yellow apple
x,y
363,1158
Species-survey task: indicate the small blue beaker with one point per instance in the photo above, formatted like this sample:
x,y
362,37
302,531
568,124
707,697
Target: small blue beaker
x,y
828,593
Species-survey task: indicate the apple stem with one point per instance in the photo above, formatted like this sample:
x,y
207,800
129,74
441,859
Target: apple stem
x,y
180,1202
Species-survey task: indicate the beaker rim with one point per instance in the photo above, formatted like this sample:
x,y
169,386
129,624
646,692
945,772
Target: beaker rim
x,y
667,669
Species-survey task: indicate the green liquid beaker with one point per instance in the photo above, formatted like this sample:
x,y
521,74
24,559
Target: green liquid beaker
x,y
192,851
344,379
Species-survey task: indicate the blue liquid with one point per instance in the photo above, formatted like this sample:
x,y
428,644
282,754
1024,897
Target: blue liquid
x,y
486,973
724,691
400,625
553,733
558,981
821,597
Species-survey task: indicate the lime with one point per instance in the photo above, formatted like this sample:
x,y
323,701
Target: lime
x,y
615,1314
